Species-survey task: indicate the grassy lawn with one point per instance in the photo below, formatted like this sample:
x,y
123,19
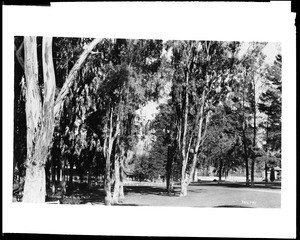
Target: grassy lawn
x,y
207,194
202,194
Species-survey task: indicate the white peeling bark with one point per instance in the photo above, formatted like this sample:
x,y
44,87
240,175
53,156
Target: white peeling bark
x,y
40,131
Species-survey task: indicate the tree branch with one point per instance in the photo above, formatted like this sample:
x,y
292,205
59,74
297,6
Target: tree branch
x,y
117,128
206,125
93,53
71,77
49,91
105,140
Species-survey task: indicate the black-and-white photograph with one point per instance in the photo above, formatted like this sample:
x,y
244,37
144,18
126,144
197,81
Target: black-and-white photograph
x,y
147,122
148,128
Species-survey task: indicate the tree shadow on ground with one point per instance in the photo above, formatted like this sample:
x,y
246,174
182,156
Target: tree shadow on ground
x,y
257,185
128,204
196,191
230,206
148,190
83,196
94,195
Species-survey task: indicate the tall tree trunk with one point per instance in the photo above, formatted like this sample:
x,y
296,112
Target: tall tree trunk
x,y
266,161
184,187
108,152
35,184
169,166
117,180
207,170
32,192
108,145
58,168
244,127
119,151
246,157
53,183
48,176
121,194
122,160
254,133
184,152
195,175
89,177
220,169
63,183
40,119
266,172
199,139
71,161
186,178
252,171
107,178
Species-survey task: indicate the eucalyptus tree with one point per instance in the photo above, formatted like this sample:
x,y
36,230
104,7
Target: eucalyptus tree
x,y
124,77
243,102
254,72
42,108
270,105
202,73
140,78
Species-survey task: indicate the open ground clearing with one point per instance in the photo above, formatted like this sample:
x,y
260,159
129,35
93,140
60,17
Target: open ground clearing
x,y
202,194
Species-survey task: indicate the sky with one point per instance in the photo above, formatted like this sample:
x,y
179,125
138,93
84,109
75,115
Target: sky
x,y
271,50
